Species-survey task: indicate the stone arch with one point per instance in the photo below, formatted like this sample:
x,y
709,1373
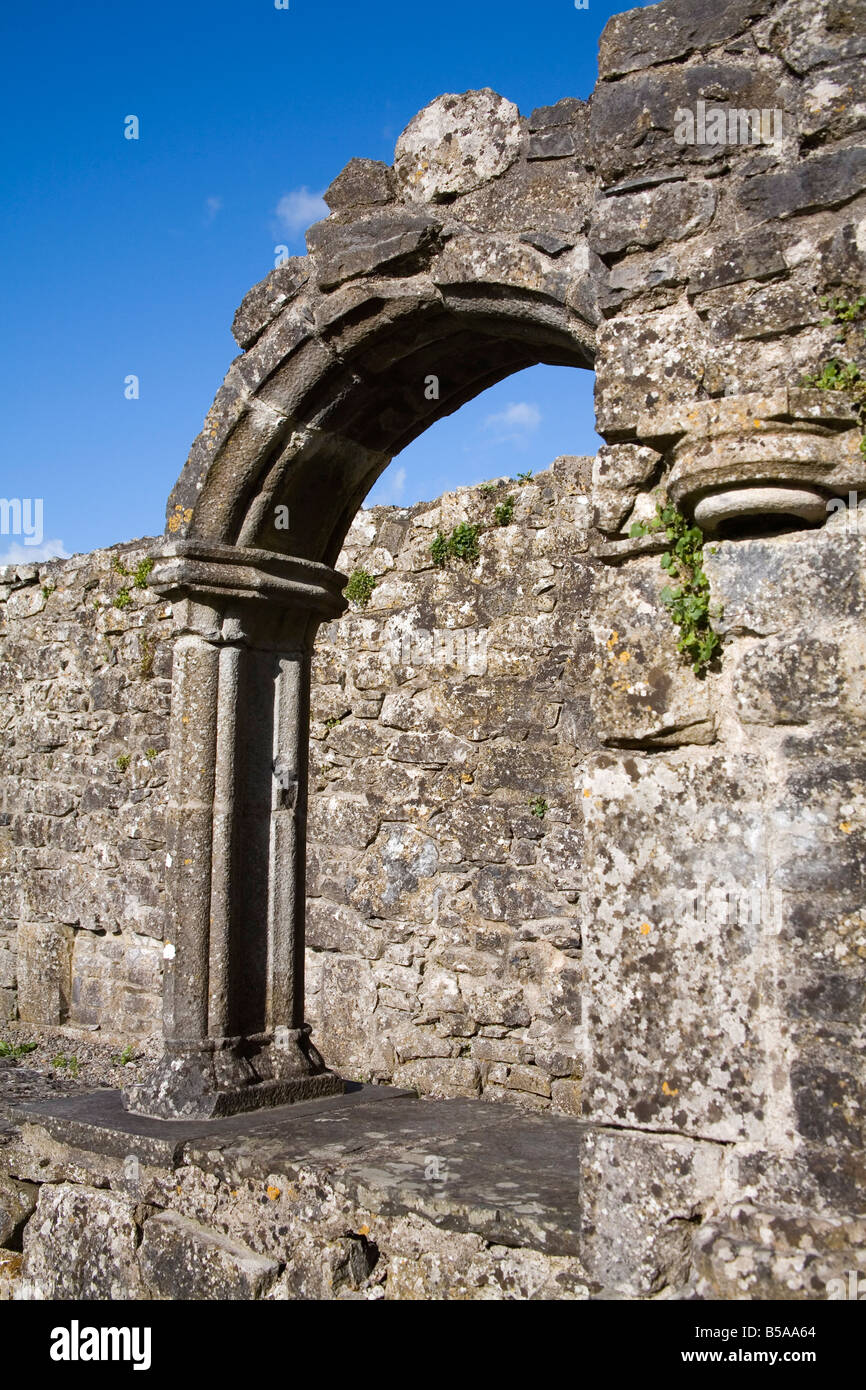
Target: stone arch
x,y
459,265
330,391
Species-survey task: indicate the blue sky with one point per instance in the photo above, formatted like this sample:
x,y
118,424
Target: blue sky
x,y
129,257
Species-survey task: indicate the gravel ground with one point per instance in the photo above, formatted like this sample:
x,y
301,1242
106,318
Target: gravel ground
x,y
74,1060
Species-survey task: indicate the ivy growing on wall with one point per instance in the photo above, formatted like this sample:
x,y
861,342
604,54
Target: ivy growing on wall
x,y
687,599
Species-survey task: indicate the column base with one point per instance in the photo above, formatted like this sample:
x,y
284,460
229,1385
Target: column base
x,y
228,1076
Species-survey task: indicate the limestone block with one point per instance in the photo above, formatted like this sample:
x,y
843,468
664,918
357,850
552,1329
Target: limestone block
x,y
17,1204
456,144
362,181
399,242
674,930
181,1259
81,1243
641,1195
643,689
44,972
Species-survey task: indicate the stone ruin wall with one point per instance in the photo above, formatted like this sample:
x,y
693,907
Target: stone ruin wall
x,y
700,270
443,946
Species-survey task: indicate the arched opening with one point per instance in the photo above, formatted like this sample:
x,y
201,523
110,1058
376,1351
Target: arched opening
x,y
319,428
334,382
443,951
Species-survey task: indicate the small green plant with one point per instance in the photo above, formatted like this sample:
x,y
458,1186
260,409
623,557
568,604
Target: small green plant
x,y
151,755
524,477
462,544
504,513
333,721
836,374
67,1064
8,1049
122,761
359,589
142,570
687,600
47,591
488,489
439,548
118,566
123,1059
124,598
841,310
539,807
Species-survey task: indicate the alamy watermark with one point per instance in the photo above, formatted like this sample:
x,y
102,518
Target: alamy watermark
x,y
448,650
462,649
22,516
854,509
727,125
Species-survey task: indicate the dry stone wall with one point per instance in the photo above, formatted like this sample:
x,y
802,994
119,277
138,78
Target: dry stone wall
x,y
85,666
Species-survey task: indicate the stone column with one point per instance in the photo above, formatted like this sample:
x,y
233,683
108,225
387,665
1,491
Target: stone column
x,y
234,1031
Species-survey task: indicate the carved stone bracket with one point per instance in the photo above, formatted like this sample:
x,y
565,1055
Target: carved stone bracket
x,y
754,455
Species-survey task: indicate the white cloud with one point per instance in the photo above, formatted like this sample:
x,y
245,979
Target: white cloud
x,y
517,415
299,209
389,490
212,207
32,554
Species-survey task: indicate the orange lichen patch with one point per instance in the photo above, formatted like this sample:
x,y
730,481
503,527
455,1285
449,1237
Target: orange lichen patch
x,y
179,516
669,1090
363,1230
273,1193
846,827
587,792
612,640
625,656
645,928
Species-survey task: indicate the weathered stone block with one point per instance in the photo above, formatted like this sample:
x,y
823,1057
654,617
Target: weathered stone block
x,y
17,1204
641,1196
81,1243
44,972
181,1259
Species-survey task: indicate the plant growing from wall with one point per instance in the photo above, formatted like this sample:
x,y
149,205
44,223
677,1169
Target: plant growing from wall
x,y
359,589
124,598
504,512
142,570
461,545
836,373
539,807
68,1064
122,761
688,598
8,1049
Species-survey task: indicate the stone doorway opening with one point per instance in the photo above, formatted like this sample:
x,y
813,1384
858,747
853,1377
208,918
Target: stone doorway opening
x,y
327,392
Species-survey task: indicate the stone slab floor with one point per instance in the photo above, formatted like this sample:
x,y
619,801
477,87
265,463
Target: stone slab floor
x,y
372,1194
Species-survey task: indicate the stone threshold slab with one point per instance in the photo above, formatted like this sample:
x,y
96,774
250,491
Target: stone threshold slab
x,y
508,1175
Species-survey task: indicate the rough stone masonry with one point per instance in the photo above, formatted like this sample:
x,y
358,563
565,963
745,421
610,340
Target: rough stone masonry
x,y
542,862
